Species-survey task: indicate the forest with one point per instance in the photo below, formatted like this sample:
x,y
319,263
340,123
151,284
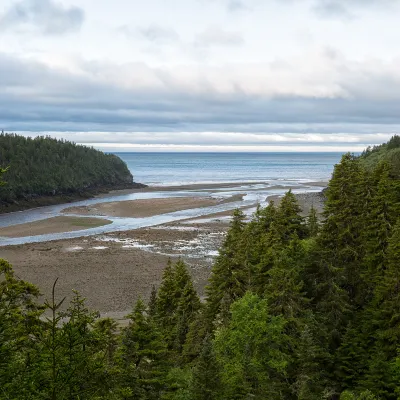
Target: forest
x,y
304,308
46,167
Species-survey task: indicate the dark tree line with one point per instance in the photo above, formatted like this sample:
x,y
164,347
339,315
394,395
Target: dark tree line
x,y
295,309
44,166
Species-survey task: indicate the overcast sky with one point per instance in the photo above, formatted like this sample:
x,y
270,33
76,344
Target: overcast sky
x,y
202,75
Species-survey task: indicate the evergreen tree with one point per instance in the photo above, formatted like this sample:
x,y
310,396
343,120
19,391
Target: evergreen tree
x,y
229,276
284,290
340,238
142,356
152,306
288,219
253,352
167,302
312,222
19,322
381,216
206,382
189,305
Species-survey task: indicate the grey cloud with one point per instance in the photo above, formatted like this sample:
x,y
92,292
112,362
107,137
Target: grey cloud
x,y
45,16
215,36
155,34
348,8
237,5
36,98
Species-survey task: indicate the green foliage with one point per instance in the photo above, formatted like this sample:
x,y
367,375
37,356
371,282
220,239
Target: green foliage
x,y
252,351
296,309
142,356
206,381
45,166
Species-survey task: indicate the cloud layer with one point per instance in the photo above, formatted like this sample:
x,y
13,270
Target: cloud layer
x,y
44,16
240,74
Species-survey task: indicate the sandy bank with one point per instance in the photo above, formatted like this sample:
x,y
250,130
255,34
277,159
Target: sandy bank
x,y
147,207
52,225
113,270
210,186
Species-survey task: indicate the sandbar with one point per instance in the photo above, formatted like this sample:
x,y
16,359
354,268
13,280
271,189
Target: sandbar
x,y
146,207
52,225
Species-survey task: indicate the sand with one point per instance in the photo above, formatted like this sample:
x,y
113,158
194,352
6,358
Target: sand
x,y
110,274
142,208
52,225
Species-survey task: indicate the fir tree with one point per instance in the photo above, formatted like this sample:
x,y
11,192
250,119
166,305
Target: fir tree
x,y
189,305
142,356
288,219
312,222
229,276
206,382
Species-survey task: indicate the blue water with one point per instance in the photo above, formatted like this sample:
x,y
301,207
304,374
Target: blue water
x,y
183,168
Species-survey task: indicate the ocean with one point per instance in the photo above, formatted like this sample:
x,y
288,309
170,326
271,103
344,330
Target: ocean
x,y
167,169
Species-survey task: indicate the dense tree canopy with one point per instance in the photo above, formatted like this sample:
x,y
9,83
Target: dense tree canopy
x,y
44,166
296,309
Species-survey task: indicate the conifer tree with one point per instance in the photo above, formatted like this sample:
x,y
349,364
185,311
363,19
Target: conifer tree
x,y
340,239
229,276
167,302
384,324
206,382
253,352
381,215
312,222
19,322
284,290
271,246
142,356
289,221
189,305
152,306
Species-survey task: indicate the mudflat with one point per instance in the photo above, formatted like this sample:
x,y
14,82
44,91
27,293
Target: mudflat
x,y
113,271
52,225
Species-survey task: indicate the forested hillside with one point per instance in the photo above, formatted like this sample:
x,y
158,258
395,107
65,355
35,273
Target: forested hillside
x,y
295,309
44,167
389,152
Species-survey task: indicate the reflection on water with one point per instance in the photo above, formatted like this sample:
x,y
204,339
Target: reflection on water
x,y
252,194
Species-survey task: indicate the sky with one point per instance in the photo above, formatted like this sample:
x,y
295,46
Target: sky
x,y
202,75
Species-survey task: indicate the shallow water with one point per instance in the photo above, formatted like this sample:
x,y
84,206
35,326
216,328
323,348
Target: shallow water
x,y
251,194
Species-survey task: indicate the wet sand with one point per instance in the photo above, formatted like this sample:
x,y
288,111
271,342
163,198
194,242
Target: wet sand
x,y
146,207
113,271
52,225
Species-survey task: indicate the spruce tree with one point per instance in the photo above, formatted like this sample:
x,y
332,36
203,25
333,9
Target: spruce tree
x,y
340,238
19,323
229,276
206,382
312,222
288,219
380,218
253,352
142,356
189,305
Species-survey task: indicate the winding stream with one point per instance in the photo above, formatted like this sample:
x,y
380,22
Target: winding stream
x,y
252,194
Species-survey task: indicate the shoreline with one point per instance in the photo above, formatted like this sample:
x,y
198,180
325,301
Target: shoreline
x,y
63,198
